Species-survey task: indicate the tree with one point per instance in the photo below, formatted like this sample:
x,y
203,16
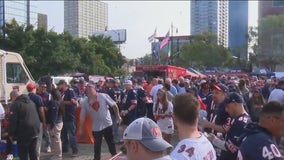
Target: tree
x,y
270,41
202,52
146,60
113,59
46,52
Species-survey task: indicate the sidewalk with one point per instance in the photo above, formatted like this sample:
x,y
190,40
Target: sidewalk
x,y
86,152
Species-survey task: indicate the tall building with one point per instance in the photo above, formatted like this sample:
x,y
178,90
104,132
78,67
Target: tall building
x,y
83,18
210,16
238,27
21,11
42,21
272,7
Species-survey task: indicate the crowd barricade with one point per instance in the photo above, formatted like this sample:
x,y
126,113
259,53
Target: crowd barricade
x,y
88,135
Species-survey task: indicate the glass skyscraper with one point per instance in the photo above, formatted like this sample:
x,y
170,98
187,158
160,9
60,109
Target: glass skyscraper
x,y
238,27
210,16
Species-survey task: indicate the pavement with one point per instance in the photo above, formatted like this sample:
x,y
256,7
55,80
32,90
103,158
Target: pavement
x,y
86,151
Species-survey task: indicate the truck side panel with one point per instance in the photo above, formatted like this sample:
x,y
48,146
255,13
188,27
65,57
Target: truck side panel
x,y
14,74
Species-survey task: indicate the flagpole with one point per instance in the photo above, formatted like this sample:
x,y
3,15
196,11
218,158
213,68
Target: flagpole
x,y
171,44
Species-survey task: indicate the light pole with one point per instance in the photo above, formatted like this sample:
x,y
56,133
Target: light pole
x,y
172,42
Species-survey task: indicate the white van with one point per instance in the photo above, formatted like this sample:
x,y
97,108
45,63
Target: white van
x,y
14,74
56,79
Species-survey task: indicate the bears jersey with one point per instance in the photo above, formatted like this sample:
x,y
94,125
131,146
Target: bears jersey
x,y
232,142
258,145
219,116
194,149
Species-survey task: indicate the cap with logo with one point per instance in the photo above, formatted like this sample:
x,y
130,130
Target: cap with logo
x,y
234,97
148,133
221,87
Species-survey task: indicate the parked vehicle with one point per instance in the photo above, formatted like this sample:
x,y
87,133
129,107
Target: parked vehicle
x,y
14,74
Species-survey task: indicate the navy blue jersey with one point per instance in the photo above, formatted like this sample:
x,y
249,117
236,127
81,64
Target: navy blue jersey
x,y
130,95
69,109
232,142
111,93
118,96
45,98
141,103
258,145
210,106
37,101
219,116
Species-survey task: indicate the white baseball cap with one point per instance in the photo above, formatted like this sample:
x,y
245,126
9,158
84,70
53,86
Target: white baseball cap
x,y
148,133
128,82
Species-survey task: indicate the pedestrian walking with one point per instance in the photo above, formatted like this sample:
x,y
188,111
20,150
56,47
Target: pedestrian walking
x,y
24,125
97,106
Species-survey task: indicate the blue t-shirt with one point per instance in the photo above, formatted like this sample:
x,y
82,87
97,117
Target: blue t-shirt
x,y
37,101
232,137
70,110
258,145
173,90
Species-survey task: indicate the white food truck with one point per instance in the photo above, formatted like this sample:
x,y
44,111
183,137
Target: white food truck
x,y
14,74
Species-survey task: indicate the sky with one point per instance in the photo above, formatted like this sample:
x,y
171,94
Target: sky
x,y
139,18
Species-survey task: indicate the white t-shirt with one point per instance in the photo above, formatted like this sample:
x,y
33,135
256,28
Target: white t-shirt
x,y
276,95
166,124
101,116
194,149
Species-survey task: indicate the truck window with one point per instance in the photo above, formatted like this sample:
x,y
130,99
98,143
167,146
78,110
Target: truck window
x,y
16,73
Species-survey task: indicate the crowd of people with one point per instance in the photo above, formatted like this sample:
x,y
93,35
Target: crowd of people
x,y
222,118
216,118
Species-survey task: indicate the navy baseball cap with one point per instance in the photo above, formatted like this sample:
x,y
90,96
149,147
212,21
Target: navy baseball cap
x,y
234,97
221,87
147,132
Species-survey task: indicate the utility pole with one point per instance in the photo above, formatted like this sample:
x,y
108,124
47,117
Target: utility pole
x,y
3,27
28,12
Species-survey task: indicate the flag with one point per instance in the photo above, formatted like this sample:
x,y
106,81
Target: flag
x,y
155,51
169,50
165,40
152,37
169,53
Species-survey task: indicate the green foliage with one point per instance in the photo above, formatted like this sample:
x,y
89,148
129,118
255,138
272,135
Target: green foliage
x,y
46,52
148,59
202,52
